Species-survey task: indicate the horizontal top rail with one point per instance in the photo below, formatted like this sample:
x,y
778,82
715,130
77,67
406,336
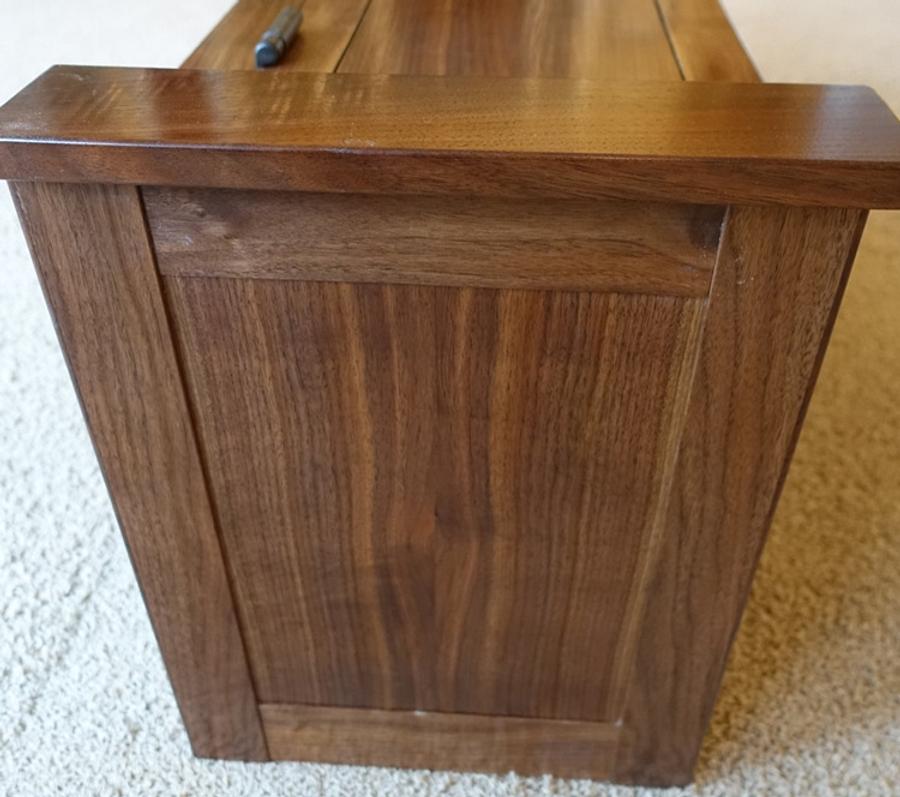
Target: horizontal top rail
x,y
686,142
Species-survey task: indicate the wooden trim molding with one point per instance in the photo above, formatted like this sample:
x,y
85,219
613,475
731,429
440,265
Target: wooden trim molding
x,y
480,242
709,143
92,253
436,740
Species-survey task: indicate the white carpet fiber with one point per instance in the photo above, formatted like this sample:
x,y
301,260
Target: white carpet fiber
x,y
811,700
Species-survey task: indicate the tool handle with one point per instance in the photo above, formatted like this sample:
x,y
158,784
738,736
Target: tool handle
x,y
273,44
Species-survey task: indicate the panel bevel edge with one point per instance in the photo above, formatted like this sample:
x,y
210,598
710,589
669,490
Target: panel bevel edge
x,y
202,459
653,536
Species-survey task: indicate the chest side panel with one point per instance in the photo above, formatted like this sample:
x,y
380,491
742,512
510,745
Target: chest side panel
x,y
435,496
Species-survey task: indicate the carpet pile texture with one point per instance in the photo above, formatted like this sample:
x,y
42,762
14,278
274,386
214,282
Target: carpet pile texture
x,y
811,699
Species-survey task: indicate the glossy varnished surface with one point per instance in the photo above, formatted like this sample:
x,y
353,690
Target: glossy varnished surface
x,y
593,39
704,43
327,28
711,143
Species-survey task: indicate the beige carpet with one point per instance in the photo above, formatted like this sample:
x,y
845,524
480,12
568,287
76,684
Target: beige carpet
x,y
811,700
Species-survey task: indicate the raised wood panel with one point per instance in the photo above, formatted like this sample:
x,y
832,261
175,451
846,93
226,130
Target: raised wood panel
x,y
566,245
710,143
435,498
776,292
327,28
419,739
593,39
704,43
92,253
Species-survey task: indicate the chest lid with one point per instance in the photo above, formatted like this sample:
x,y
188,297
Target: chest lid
x,y
615,40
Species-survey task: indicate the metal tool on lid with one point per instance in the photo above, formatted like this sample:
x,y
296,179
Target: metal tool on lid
x,y
279,36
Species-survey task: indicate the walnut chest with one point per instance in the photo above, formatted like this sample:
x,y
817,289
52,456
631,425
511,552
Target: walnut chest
x,y
445,375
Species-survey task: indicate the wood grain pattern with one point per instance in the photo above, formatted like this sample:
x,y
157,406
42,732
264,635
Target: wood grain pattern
x,y
440,741
704,42
685,142
455,487
508,38
397,509
90,247
327,28
775,295
566,245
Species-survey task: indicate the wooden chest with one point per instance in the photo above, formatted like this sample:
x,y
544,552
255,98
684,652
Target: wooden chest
x,y
445,376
